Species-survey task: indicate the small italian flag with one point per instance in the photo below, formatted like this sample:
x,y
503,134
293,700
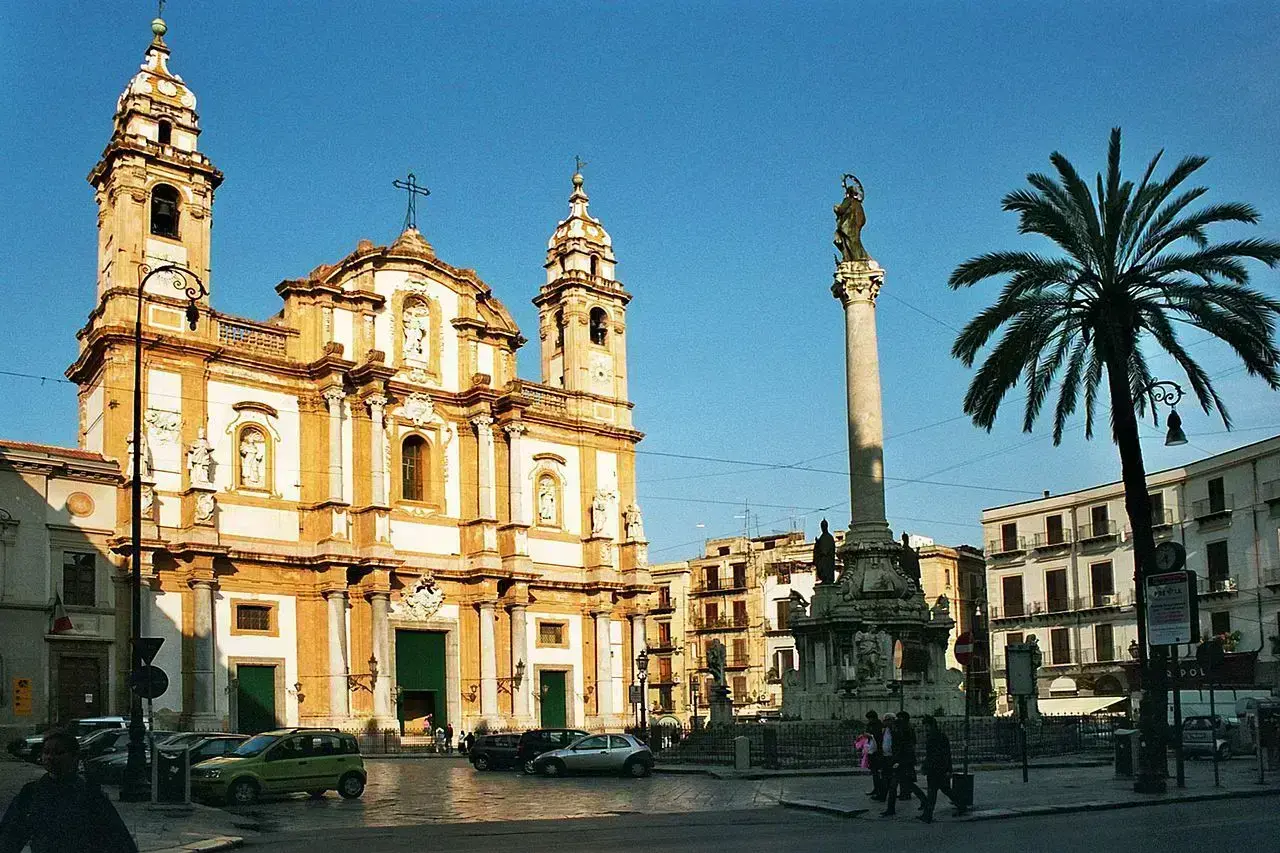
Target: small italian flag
x,y
61,621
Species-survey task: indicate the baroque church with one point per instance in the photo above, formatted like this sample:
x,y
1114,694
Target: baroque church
x,y
355,513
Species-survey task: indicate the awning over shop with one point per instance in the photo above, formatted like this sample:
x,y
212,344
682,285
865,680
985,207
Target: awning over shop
x,y
1078,705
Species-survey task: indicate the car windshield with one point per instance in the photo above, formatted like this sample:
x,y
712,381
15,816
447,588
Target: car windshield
x,y
254,745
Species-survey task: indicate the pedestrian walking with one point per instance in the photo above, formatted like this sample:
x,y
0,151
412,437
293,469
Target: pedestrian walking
x,y
61,812
875,756
937,768
448,737
439,739
470,741
903,763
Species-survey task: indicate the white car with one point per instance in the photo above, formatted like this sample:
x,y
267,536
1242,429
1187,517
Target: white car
x,y
606,753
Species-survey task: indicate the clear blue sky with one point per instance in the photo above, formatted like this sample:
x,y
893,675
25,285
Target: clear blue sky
x,y
716,135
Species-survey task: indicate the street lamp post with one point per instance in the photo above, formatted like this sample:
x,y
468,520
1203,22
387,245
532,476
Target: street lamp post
x,y
1152,661
642,670
135,788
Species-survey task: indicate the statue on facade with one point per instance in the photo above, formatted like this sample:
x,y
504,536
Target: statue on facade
x,y
824,555
716,661
200,460
546,502
850,217
148,464
599,513
910,560
870,655
633,523
253,458
417,327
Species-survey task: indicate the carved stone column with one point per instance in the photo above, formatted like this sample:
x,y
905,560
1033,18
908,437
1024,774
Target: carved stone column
x,y
488,662
483,425
335,396
204,707
515,458
380,604
523,693
639,643
339,693
604,666
377,447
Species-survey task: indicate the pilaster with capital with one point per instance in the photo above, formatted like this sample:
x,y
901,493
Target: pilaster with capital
x,y
488,660
335,397
483,425
339,668
380,626
377,404
515,456
204,704
604,664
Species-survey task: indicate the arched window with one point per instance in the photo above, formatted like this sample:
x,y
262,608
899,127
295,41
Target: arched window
x,y
165,132
254,454
599,326
595,265
559,330
413,468
164,211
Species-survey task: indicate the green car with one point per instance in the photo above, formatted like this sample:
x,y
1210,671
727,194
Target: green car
x,y
281,762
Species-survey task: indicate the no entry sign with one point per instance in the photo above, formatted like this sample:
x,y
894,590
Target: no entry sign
x,y
964,648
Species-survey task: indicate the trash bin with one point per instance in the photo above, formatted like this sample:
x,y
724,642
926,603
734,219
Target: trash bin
x,y
1126,741
962,789
171,776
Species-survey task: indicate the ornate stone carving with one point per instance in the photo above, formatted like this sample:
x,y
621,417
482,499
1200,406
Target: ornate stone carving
x,y
599,513
483,425
418,376
200,460
148,464
334,394
253,458
419,409
376,403
870,647
546,502
421,603
205,505
857,280
633,523
162,427
416,323
79,504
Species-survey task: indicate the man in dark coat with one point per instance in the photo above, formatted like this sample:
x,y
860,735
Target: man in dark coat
x,y
937,768
61,812
904,763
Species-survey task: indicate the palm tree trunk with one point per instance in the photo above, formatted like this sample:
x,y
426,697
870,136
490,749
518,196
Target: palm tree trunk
x,y
1152,762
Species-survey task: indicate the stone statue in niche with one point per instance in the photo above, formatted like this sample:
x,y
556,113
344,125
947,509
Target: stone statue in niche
x,y
633,523
148,465
417,328
546,502
824,555
599,513
253,459
870,657
200,460
715,661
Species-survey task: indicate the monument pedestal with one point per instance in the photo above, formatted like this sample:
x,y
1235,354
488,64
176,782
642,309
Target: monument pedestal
x,y
721,706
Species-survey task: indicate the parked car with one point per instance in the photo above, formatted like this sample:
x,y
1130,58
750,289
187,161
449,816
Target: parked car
x,y
537,741
494,752
607,753
83,729
280,762
1207,735
111,742
109,769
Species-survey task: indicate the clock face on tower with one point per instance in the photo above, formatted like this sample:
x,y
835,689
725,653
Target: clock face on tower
x,y
601,372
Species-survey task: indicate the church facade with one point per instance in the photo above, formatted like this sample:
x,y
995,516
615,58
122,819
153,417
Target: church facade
x,y
355,513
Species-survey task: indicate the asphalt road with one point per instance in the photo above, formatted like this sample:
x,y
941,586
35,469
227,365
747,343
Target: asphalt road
x,y
1236,825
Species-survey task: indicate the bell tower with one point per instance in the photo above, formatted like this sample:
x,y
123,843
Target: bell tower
x,y
583,307
153,187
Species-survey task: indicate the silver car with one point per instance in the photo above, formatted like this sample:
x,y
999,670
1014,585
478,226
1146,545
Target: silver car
x,y
607,753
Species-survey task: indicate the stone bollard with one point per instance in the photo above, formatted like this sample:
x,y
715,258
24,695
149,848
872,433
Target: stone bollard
x,y
742,753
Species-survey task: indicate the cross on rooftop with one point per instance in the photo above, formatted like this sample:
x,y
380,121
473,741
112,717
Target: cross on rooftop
x,y
411,187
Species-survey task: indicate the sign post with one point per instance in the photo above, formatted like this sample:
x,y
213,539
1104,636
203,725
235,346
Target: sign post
x,y
964,654
1172,615
1021,661
22,697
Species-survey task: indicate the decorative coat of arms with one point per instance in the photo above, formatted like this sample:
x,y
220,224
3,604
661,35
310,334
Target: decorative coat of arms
x,y
419,409
421,602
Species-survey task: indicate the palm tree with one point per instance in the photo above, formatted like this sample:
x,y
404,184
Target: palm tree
x,y
1134,262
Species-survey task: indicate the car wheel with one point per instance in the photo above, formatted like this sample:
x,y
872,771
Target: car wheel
x,y
553,769
243,792
481,762
636,769
351,786
317,794
529,767
1224,752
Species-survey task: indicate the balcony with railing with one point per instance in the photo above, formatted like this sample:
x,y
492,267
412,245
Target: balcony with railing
x,y
1099,600
1102,531
723,622
1104,656
1007,546
254,338
1217,585
541,397
1051,541
720,587
730,662
661,646
663,607
1161,519
1211,509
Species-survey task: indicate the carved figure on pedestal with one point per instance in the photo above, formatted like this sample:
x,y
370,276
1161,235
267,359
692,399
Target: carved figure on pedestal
x,y
200,460
148,466
716,661
850,218
633,523
546,502
824,555
253,457
910,561
870,655
599,513
417,326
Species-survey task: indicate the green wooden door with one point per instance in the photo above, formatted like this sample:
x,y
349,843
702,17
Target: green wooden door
x,y
421,676
551,689
255,699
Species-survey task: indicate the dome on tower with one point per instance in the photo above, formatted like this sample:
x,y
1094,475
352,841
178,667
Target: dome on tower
x,y
580,227
154,80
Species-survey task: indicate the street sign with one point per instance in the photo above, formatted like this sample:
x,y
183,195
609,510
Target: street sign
x,y
149,647
1021,661
1172,618
149,682
964,648
22,697
634,694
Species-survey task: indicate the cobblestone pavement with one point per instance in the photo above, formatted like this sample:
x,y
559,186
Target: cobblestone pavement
x,y
402,792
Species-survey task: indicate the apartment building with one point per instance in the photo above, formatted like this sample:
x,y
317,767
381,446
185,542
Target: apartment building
x,y
669,686
1060,569
959,573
